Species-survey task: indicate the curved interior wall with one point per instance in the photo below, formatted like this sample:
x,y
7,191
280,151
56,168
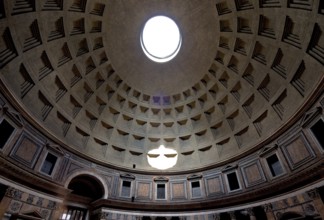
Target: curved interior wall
x,y
298,152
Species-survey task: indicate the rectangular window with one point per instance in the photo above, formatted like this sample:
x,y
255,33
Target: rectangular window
x,y
274,165
233,181
195,189
318,131
5,130
160,191
49,164
126,188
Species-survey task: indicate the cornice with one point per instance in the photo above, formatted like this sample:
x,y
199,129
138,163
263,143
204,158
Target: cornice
x,y
20,175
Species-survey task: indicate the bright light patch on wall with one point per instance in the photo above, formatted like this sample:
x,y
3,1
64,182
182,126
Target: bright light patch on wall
x,y
66,216
161,39
162,158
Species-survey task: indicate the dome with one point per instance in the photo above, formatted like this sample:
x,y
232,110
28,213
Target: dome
x,y
242,75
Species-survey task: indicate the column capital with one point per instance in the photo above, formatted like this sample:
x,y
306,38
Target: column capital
x,y
232,214
250,211
216,216
103,215
267,207
313,194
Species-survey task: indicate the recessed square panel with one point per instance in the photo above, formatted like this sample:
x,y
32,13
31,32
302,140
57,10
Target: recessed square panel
x,y
26,150
214,185
298,151
252,173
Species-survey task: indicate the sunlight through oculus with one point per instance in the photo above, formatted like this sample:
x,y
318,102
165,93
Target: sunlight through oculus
x,y
161,39
162,158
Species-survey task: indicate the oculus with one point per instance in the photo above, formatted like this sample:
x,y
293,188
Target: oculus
x,y
161,39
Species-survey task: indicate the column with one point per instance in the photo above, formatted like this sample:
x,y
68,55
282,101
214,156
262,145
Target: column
x,y
216,216
315,196
268,210
232,215
251,213
99,215
57,211
4,204
11,193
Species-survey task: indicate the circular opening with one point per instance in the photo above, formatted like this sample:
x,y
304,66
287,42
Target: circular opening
x,y
160,39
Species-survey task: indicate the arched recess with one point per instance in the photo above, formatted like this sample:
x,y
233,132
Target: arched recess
x,y
95,185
